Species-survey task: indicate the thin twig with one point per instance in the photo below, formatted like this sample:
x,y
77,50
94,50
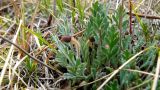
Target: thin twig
x,y
30,55
130,17
78,33
145,16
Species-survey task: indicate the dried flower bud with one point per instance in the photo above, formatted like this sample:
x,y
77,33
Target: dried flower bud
x,y
91,39
65,38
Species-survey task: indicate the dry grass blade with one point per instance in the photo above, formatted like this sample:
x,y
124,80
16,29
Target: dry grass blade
x,y
157,74
18,77
93,81
9,54
6,19
16,8
133,88
117,4
142,72
116,71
